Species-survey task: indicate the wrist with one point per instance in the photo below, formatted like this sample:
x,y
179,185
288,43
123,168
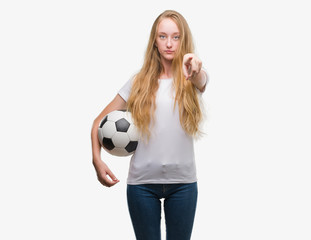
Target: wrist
x,y
96,159
200,81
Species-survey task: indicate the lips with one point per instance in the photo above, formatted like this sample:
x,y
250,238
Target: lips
x,y
169,52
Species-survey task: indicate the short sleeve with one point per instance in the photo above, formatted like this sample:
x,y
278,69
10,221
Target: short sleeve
x,y
125,91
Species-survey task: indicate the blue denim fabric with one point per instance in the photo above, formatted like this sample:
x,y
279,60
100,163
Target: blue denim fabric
x,y
179,209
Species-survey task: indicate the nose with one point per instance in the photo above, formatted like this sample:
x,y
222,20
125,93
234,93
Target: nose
x,y
169,43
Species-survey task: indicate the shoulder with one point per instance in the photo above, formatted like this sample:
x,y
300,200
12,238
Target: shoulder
x,y
125,90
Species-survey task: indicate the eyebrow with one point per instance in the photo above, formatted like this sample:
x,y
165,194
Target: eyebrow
x,y
166,33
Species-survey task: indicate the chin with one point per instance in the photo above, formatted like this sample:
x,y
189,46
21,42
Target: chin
x,y
169,58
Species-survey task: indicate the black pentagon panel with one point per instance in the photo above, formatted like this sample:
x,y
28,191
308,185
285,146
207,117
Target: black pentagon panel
x,y
131,147
103,122
122,125
107,143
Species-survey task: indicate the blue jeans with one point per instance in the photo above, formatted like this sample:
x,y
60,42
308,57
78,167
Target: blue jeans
x,y
179,209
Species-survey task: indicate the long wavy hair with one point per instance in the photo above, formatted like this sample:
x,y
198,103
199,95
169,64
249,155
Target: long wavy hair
x,y
141,102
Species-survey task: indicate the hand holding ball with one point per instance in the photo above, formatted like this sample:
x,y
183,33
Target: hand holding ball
x,y
117,133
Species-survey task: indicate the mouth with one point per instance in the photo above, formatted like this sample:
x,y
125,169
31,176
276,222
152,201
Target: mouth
x,y
169,52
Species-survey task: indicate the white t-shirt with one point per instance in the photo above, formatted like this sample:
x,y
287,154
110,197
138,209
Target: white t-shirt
x,y
168,156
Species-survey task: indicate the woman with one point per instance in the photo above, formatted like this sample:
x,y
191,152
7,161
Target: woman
x,y
164,101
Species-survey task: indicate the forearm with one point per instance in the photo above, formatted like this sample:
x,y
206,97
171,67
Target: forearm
x,y
102,170
96,147
200,80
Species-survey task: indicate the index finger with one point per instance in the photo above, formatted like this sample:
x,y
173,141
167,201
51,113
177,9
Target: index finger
x,y
188,61
185,71
107,182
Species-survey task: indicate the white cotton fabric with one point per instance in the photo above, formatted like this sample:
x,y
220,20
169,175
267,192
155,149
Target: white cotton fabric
x,y
168,156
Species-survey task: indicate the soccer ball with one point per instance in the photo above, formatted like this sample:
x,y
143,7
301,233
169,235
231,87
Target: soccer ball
x,y
117,133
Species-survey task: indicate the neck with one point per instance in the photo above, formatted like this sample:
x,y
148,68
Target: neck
x,y
167,69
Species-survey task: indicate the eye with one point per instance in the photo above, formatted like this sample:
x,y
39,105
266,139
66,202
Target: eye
x,y
176,37
161,36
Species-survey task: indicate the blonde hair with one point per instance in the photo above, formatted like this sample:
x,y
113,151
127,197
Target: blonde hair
x,y
141,102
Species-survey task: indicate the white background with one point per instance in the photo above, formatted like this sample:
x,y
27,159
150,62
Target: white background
x,y
62,61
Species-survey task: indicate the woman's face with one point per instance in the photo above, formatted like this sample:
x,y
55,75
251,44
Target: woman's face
x,y
167,39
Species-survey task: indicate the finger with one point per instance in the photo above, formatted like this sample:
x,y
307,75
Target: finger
x,y
200,66
112,176
107,182
185,71
187,67
188,61
194,71
196,67
190,72
194,74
